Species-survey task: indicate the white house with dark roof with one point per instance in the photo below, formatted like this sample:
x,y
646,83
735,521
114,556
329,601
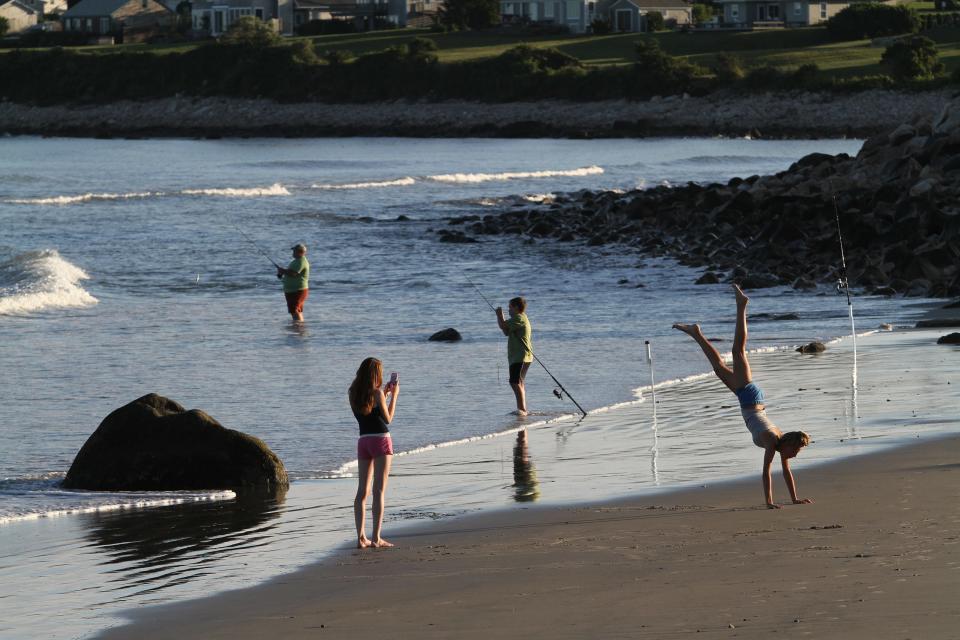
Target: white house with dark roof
x,y
577,15
125,20
20,16
758,14
214,17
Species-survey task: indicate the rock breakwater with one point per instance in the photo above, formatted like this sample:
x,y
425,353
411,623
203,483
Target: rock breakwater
x,y
898,204
773,115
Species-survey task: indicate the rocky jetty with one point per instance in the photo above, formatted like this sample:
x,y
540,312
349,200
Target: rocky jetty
x,y
154,444
796,114
898,204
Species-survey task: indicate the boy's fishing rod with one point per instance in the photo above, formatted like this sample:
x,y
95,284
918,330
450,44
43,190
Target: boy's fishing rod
x,y
843,283
255,245
540,362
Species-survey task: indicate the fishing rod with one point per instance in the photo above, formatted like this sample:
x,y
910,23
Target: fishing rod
x,y
843,284
255,245
557,392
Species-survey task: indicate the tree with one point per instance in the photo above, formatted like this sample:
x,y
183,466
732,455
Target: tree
x,y
4,25
661,72
470,14
914,58
702,13
728,68
872,20
655,21
250,31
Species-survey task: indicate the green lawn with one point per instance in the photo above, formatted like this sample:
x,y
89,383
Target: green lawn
x,y
788,48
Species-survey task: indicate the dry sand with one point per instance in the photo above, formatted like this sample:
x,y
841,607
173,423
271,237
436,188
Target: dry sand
x,y
876,556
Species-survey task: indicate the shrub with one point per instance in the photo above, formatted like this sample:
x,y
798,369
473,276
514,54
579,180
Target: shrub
x,y
326,27
470,14
766,77
663,73
600,27
422,50
915,58
728,68
250,31
4,26
526,59
702,13
807,76
304,52
655,21
337,56
872,20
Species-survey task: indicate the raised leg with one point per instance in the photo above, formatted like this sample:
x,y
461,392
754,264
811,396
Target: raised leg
x,y
381,471
364,475
716,361
741,366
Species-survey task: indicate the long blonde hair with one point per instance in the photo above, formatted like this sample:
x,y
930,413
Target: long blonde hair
x,y
364,388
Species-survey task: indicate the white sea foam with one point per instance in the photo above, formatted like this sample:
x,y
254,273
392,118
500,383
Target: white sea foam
x,y
399,182
41,280
492,177
275,189
86,197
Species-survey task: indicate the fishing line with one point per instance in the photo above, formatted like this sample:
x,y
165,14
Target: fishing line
x,y
254,244
843,285
557,392
655,449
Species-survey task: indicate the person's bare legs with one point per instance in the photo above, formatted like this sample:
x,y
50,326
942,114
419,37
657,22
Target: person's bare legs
x,y
364,475
741,366
520,390
381,471
716,361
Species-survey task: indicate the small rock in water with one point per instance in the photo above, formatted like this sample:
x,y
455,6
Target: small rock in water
x,y
813,347
708,278
446,335
950,338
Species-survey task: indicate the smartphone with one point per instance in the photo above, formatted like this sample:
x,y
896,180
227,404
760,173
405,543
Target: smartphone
x,y
394,378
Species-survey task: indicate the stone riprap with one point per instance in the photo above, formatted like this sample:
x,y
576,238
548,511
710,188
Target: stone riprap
x,y
898,203
773,115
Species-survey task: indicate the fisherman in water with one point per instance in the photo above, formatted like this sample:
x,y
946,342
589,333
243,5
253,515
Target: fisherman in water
x,y
295,285
519,348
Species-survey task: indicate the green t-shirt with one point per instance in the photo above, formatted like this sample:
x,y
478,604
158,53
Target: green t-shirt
x,y
297,282
519,343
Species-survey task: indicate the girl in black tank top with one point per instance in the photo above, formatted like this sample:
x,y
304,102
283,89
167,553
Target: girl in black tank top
x,y
373,412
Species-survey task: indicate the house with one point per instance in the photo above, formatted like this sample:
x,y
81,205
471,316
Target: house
x,y
760,14
364,14
124,20
577,15
19,15
630,15
214,17
46,7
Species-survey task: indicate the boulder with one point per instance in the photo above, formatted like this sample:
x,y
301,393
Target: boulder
x,y
813,347
950,338
938,323
446,335
708,278
154,444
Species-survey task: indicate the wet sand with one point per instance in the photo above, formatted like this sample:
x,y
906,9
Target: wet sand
x,y
876,555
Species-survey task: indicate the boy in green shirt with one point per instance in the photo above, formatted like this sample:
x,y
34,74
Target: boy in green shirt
x,y
519,348
295,285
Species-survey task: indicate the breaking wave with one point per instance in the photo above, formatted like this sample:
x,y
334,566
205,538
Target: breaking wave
x,y
275,189
491,177
41,280
85,197
399,182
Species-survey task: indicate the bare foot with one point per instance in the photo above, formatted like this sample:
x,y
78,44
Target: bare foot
x,y
382,544
692,330
364,542
741,296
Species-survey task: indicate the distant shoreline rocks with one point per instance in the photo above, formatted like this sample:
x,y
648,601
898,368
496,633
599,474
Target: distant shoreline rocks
x,y
897,201
769,115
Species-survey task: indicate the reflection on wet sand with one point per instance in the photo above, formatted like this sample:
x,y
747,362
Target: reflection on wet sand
x,y
166,546
525,484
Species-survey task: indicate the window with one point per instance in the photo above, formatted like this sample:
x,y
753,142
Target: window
x,y
548,9
735,11
104,25
773,12
259,12
89,25
797,9
145,3
573,10
823,10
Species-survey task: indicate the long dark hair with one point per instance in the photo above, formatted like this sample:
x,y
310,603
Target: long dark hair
x,y
366,384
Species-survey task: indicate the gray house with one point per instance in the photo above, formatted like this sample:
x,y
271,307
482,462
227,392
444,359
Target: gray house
x,y
363,14
760,14
123,20
20,15
214,17
577,15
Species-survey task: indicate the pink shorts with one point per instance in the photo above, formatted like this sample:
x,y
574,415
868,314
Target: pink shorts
x,y
369,447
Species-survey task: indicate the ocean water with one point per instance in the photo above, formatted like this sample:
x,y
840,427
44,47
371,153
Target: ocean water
x,y
129,267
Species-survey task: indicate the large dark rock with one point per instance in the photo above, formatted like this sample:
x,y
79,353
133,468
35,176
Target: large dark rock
x,y
813,347
446,335
938,323
154,444
950,338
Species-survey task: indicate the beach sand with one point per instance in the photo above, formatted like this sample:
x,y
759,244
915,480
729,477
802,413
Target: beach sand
x,y
876,556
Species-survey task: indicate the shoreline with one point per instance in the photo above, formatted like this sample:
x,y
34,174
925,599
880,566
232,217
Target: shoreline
x,y
767,115
636,565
